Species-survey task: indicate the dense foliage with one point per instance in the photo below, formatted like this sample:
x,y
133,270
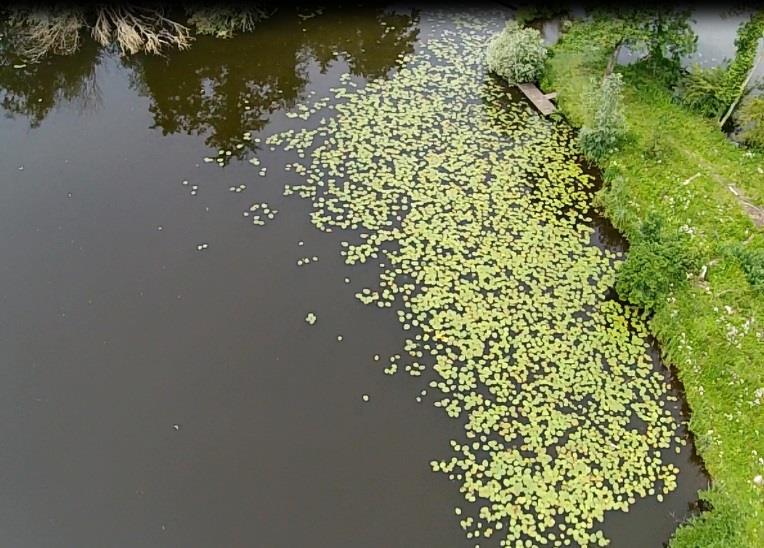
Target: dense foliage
x,y
663,32
712,91
658,32
657,263
746,44
752,263
517,54
699,90
750,119
608,125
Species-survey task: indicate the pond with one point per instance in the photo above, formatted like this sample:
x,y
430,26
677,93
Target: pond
x,y
327,283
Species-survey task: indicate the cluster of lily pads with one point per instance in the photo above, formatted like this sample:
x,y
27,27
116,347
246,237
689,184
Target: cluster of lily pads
x,y
303,112
260,212
479,207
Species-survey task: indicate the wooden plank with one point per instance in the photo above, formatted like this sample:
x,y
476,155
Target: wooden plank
x,y
538,99
551,96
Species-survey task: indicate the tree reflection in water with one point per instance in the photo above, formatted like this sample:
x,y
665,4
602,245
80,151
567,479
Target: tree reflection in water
x,y
219,88
34,89
223,88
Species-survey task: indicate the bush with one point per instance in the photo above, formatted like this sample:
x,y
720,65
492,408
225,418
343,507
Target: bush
x,y
700,90
517,54
712,91
750,120
657,263
752,263
608,123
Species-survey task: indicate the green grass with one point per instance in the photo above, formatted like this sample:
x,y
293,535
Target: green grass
x,y
679,166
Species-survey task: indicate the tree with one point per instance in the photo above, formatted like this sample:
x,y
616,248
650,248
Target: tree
x,y
664,33
608,123
744,65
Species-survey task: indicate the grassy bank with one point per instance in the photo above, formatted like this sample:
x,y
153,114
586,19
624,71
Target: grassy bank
x,y
677,165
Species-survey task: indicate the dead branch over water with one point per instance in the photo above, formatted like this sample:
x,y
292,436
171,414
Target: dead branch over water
x,y
137,29
38,32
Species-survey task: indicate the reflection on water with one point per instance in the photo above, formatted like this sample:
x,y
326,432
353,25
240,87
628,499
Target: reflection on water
x,y
223,88
716,30
32,90
115,330
219,88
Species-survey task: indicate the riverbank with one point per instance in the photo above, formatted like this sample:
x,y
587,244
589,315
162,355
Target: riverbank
x,y
680,167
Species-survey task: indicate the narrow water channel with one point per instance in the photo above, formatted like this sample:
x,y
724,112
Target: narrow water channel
x,y
160,385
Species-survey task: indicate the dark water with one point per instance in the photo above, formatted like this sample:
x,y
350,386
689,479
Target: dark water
x,y
152,394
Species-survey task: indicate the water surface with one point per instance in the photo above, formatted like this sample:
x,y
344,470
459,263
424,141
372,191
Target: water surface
x,y
155,394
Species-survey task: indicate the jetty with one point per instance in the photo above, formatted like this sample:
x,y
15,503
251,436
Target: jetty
x,y
543,102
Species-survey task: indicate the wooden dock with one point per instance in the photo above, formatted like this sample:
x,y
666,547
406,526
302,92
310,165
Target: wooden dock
x,y
539,100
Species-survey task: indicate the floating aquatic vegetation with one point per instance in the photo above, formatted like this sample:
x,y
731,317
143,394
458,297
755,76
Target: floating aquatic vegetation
x,y
261,212
303,112
306,260
311,318
479,207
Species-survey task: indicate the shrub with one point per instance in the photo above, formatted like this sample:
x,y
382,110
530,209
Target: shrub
x,y
752,263
608,123
700,90
750,120
517,54
657,263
